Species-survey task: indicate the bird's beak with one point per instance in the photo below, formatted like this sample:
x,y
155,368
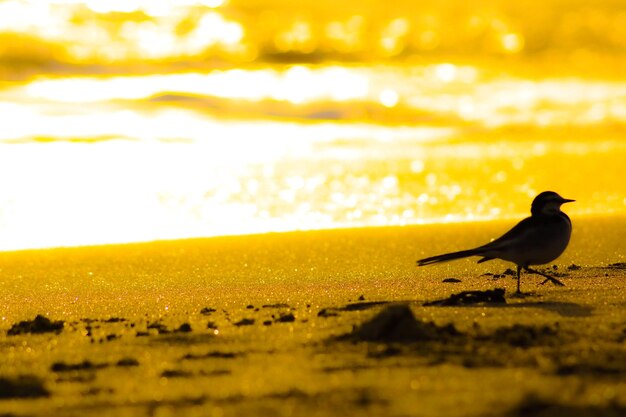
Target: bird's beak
x,y
567,200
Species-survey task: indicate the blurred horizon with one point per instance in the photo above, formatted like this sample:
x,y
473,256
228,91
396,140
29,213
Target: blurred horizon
x,y
135,36
140,120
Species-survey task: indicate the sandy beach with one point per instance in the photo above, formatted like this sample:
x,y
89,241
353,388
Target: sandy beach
x,y
327,323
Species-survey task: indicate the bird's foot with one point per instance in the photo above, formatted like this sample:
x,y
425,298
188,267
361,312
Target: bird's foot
x,y
546,276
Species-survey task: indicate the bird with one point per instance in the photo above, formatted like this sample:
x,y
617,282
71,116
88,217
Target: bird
x,y
536,240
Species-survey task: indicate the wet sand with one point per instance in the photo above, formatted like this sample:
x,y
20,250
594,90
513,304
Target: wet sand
x,y
325,323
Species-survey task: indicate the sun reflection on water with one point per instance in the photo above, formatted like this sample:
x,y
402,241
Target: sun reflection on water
x,y
144,119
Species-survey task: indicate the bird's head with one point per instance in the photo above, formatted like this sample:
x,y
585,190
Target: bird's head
x,y
548,202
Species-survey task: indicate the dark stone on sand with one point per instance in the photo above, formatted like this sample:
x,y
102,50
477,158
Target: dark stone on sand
x,y
250,307
184,328
245,322
574,267
286,318
96,391
127,362
211,325
207,310
115,320
277,305
362,298
326,312
142,334
617,265
397,323
471,297
110,337
510,272
24,386
176,373
451,280
525,336
40,324
267,323
80,366
159,327
214,354
363,305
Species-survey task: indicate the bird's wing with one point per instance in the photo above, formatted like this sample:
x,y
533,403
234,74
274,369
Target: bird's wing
x,y
519,231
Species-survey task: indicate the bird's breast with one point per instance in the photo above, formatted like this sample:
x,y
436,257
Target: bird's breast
x,y
550,242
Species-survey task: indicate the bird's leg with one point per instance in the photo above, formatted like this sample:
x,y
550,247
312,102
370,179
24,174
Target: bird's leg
x,y
519,269
548,277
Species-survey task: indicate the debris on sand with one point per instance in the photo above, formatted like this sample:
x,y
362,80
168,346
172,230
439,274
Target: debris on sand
x,y
80,366
471,297
397,323
451,280
115,320
175,373
207,310
245,322
127,362
360,306
159,327
184,328
286,318
327,312
277,305
24,386
40,324
212,354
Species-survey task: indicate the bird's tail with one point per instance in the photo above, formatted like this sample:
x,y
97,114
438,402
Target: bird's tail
x,y
450,256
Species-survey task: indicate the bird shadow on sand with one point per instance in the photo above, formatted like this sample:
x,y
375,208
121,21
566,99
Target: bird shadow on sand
x,y
486,298
496,299
562,308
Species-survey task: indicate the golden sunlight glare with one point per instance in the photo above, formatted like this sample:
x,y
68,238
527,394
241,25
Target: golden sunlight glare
x,y
272,120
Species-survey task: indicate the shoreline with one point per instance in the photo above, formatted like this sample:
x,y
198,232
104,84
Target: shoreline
x,y
503,222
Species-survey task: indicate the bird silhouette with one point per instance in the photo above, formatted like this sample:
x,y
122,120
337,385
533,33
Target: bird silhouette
x,y
536,240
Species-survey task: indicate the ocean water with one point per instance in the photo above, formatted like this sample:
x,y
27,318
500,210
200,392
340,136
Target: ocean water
x,y
237,137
